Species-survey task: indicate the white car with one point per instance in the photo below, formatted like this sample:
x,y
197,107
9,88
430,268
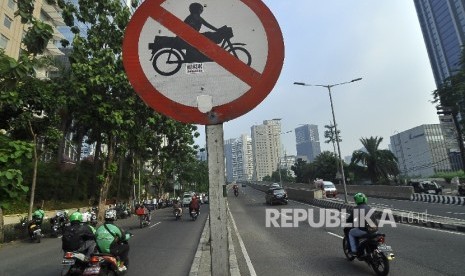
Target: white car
x,y
186,199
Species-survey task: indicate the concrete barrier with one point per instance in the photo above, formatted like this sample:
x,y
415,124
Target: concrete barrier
x,y
382,191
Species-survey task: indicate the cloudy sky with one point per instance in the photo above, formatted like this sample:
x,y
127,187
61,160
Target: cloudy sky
x,y
334,41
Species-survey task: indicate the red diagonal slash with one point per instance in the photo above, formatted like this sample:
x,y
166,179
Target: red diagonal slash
x,y
203,44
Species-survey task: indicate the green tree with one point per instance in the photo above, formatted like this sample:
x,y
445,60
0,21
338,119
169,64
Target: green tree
x,y
381,164
12,154
325,166
301,171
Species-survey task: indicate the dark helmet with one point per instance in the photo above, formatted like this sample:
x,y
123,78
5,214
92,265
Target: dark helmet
x,y
195,8
360,198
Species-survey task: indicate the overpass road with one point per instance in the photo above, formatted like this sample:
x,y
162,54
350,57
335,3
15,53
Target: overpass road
x,y
306,250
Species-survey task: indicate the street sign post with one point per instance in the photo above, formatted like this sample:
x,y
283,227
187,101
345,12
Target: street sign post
x,y
205,62
203,76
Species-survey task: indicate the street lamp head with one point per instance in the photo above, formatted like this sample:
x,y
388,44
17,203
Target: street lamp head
x,y
354,80
299,83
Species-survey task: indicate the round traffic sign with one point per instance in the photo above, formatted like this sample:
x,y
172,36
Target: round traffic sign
x,y
203,62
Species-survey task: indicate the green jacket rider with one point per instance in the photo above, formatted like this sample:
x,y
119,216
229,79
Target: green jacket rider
x,y
111,239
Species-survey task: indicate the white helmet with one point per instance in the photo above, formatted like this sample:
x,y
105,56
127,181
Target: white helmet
x,y
110,215
85,217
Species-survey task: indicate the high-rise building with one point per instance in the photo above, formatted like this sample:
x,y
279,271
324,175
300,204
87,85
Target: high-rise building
x,y
443,25
266,148
421,151
238,159
12,30
307,142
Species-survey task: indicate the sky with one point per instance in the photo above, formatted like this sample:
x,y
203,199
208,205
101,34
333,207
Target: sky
x,y
334,41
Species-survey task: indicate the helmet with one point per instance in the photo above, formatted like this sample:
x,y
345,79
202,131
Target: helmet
x,y
360,198
76,216
86,217
195,8
110,215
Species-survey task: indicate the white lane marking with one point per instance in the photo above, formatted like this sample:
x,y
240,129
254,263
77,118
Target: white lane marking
x,y
155,224
336,235
241,243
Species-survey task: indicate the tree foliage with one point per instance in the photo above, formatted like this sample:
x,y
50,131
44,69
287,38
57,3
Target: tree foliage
x,y
380,164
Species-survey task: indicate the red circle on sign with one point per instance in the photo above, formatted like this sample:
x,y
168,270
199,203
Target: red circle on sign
x,y
260,84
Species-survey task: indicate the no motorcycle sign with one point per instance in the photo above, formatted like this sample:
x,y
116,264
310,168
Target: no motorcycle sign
x,y
203,62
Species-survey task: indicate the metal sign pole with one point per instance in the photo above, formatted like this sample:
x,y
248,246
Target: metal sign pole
x,y
217,197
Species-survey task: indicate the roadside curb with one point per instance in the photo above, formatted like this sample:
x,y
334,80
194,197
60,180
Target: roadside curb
x,y
201,266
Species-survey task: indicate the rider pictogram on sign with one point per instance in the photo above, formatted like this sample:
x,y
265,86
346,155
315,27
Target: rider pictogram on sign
x,y
183,65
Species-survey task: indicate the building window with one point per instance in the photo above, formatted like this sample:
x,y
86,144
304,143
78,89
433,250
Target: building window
x,y
7,21
3,41
11,4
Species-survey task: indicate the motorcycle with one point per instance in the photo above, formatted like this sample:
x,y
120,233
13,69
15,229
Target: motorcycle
x,y
92,215
74,263
177,214
194,214
372,249
122,212
236,192
104,264
144,220
168,54
33,228
58,223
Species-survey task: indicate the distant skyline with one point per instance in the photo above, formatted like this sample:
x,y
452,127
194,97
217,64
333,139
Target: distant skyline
x,y
328,42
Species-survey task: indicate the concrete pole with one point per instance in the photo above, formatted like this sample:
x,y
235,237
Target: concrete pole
x,y
217,196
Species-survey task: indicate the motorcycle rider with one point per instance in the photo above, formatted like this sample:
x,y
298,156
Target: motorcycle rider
x,y
177,206
38,215
78,236
113,240
194,204
359,221
235,188
141,210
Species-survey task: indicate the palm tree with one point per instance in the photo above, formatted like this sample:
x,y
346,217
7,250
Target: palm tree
x,y
380,163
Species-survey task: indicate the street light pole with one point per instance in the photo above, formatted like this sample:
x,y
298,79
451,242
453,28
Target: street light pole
x,y
341,164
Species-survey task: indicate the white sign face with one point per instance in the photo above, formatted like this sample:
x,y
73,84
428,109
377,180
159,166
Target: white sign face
x,y
181,73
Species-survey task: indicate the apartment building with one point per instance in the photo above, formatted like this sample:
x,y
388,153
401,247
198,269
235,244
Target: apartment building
x,y
266,148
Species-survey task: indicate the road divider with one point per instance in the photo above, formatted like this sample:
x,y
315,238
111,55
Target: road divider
x,y
445,199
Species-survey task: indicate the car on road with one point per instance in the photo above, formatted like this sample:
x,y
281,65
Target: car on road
x,y
186,199
276,195
426,187
274,185
329,189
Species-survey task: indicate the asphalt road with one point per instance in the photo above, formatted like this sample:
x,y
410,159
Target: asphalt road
x,y
166,247
306,250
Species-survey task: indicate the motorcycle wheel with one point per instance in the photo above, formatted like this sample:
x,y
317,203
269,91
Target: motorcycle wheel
x,y
141,222
346,248
107,272
380,264
38,237
242,54
65,271
163,65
